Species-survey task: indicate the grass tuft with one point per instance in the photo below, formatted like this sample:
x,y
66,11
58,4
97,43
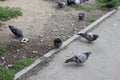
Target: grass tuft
x,y
91,19
2,49
85,8
22,64
67,8
100,3
8,74
7,13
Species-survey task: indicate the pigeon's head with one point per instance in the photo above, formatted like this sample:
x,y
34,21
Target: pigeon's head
x,y
57,40
81,14
87,53
10,26
81,34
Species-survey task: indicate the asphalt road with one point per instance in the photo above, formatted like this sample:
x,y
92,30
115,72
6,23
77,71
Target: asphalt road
x,y
103,64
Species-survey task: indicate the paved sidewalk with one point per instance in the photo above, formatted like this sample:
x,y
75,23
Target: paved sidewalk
x,y
103,64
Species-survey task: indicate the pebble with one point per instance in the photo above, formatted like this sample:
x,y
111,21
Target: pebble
x,y
18,50
23,57
55,30
41,40
34,52
69,36
2,58
2,64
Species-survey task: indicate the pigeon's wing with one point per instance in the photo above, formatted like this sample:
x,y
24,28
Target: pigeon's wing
x,y
19,32
82,58
89,36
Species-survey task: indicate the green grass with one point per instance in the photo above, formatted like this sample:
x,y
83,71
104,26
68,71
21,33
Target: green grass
x,y
2,49
91,19
100,3
22,64
7,13
63,38
8,74
67,8
85,8
0,24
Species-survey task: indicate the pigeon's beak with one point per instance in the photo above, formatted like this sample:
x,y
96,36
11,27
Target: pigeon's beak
x,y
81,34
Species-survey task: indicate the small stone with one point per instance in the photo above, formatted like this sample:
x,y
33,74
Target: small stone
x,y
2,64
55,30
40,36
75,32
2,58
18,50
50,14
69,36
41,40
72,24
114,24
23,57
34,52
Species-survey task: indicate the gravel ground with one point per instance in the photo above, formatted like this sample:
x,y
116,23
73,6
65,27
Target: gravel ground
x,y
41,22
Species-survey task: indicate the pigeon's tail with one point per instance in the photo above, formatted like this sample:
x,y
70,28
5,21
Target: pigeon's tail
x,y
69,60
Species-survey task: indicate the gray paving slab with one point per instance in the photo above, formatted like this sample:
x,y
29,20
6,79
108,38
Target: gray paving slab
x,y
103,64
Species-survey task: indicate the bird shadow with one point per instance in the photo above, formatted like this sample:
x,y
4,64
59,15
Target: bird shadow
x,y
74,65
85,41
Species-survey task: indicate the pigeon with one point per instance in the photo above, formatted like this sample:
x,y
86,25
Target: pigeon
x,y
61,4
79,58
81,16
89,36
74,2
77,2
111,5
17,32
70,2
57,43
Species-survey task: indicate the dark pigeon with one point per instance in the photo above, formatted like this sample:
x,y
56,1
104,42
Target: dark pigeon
x,y
111,5
70,2
79,58
61,4
17,32
89,36
81,16
57,43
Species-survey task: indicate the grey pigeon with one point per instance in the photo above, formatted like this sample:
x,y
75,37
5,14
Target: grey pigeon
x,y
89,36
17,32
57,43
79,58
74,2
61,4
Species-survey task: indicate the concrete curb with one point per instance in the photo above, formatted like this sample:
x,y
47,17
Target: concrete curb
x,y
47,55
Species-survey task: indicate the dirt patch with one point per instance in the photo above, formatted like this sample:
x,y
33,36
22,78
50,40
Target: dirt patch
x,y
41,23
